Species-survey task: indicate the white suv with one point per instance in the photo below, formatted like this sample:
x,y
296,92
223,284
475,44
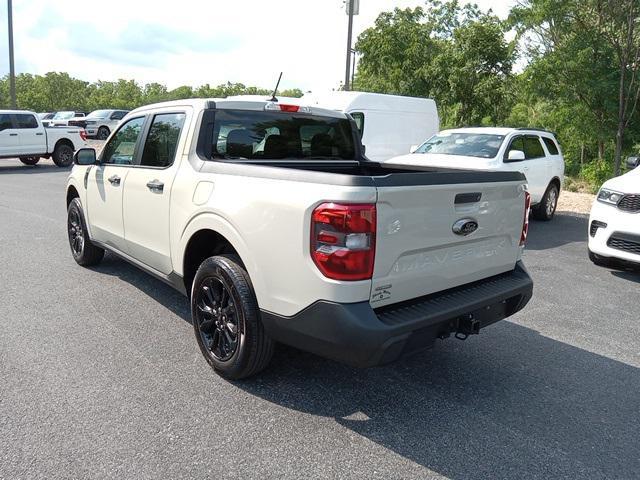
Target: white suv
x,y
533,152
614,223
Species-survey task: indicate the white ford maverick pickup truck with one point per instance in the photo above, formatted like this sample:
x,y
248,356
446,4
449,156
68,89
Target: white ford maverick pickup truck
x,y
279,229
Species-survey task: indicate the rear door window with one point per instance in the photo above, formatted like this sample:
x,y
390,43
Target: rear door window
x,y
25,120
533,147
118,115
551,146
162,140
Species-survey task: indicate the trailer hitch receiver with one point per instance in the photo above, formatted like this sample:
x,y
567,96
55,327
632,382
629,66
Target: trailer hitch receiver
x,y
467,325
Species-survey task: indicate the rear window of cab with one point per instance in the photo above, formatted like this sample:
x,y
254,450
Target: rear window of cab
x,y
258,135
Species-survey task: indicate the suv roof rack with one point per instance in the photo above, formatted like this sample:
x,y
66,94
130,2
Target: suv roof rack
x,y
535,129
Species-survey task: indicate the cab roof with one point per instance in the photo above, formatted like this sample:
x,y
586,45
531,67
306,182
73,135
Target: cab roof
x,y
240,102
496,130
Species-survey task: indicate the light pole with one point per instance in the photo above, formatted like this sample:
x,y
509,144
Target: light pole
x,y
353,7
12,70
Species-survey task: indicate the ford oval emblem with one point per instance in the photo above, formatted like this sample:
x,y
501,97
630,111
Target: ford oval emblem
x,y
465,226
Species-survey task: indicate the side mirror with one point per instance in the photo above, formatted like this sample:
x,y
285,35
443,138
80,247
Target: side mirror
x,y
414,148
515,156
85,156
633,162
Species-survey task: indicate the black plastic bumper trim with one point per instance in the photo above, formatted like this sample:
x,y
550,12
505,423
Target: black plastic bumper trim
x,y
355,334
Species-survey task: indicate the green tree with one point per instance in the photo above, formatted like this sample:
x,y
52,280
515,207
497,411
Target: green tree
x,y
154,93
59,91
455,54
586,52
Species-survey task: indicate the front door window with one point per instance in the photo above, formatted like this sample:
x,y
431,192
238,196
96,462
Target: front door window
x,y
122,148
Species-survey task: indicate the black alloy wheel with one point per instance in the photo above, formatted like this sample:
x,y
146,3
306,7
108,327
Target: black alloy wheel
x,y
218,319
83,250
76,233
226,318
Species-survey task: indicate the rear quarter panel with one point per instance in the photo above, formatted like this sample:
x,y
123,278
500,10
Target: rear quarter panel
x,y
268,223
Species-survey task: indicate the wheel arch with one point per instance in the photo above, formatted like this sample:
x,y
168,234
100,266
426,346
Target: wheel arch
x,y
207,235
72,192
64,141
556,181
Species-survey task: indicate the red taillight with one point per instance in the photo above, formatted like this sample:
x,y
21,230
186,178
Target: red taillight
x,y
289,108
525,223
83,135
343,240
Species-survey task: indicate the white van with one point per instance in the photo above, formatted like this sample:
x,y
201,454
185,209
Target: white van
x,y
390,124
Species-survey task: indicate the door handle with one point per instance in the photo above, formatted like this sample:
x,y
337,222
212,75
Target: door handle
x,y
13,134
114,180
155,186
40,133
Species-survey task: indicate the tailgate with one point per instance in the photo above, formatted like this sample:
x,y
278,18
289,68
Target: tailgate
x,y
417,251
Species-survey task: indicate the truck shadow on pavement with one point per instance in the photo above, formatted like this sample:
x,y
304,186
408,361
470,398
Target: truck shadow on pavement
x,y
27,170
509,404
633,275
160,292
563,229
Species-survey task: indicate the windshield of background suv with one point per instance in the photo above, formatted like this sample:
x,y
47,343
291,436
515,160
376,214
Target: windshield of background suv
x,y
99,114
466,144
258,135
63,115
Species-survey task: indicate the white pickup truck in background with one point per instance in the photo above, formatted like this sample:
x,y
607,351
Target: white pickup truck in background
x,y
23,136
271,219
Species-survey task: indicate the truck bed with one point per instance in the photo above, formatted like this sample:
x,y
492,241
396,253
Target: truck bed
x,y
357,173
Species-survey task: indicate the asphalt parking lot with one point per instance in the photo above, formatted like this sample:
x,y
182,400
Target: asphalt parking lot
x,y
101,377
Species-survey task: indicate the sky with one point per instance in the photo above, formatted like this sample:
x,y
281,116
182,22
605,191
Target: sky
x,y
192,42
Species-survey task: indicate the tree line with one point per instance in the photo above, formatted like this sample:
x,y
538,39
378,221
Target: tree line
x,y
57,91
570,66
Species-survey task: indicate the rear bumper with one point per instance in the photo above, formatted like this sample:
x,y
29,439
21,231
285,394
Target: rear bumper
x,y
358,335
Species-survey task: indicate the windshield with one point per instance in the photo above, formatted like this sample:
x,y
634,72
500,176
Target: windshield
x,y
465,144
63,115
99,114
257,135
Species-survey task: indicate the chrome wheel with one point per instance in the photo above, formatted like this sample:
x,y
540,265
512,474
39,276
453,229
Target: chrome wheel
x,y
217,319
552,201
76,234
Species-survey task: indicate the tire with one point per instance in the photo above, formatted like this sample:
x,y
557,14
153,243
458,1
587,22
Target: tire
x,y
226,319
103,133
84,252
546,209
63,155
31,161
